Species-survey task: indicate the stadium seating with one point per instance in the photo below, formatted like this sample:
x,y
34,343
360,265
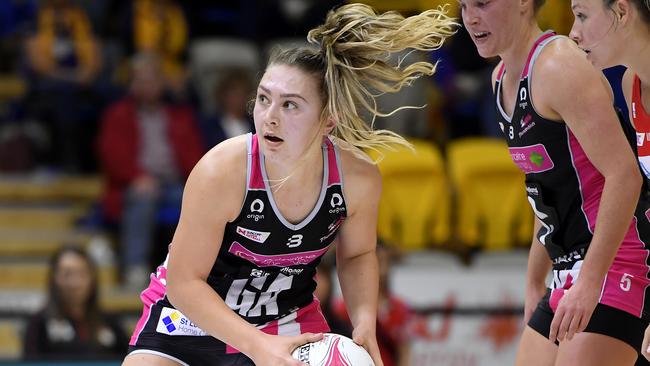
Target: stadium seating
x,y
414,207
492,211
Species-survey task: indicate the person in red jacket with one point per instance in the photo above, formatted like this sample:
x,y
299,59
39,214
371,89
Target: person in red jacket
x,y
147,149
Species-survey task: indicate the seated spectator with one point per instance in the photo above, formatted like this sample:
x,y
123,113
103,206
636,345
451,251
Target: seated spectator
x,y
71,326
147,149
233,94
160,27
62,63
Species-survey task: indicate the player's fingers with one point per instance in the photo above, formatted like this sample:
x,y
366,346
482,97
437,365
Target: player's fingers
x,y
306,338
574,326
563,328
584,321
555,324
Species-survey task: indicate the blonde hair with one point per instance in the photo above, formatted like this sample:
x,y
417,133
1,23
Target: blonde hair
x,y
353,68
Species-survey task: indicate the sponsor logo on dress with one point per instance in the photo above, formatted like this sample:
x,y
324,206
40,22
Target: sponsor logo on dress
x,y
256,210
523,94
332,228
526,124
640,138
337,204
291,271
258,236
532,190
532,159
173,322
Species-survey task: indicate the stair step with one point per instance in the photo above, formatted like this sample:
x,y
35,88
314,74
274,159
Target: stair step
x,y
11,345
47,188
44,242
15,276
16,217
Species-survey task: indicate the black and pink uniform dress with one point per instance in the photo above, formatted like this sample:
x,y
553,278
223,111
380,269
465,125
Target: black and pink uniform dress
x,y
264,271
564,190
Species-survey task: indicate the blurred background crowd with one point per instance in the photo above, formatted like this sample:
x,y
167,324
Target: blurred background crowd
x,y
105,107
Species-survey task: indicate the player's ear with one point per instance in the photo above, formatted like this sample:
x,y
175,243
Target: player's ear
x,y
621,9
525,4
330,123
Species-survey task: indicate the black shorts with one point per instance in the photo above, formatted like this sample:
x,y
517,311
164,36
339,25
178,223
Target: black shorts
x,y
189,349
191,357
605,320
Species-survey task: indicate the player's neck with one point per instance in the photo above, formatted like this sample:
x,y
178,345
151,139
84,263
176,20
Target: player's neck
x,y
307,168
637,56
515,57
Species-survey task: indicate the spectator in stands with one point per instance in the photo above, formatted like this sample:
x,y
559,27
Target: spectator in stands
x,y
62,63
147,148
160,27
233,94
72,326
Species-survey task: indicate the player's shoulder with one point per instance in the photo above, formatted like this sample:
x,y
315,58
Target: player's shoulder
x,y
223,167
361,177
560,58
357,166
229,154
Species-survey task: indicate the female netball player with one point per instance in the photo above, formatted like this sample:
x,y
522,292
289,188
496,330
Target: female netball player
x,y
260,210
617,32
583,183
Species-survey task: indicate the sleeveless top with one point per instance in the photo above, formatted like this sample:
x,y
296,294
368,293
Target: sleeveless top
x,y
641,121
563,186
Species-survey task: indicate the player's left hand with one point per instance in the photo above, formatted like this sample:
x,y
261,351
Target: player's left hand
x,y
366,338
574,311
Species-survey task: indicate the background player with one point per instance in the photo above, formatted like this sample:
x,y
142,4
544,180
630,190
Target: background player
x,y
564,134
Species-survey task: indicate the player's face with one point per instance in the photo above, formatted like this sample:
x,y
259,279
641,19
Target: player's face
x,y
594,29
490,23
287,112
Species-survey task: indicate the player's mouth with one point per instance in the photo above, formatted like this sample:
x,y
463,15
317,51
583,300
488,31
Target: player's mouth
x,y
479,36
272,139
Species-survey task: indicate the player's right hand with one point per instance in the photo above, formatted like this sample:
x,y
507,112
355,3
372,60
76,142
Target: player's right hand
x,y
275,350
646,343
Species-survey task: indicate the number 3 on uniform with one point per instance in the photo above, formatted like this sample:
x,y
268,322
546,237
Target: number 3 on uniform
x,y
626,282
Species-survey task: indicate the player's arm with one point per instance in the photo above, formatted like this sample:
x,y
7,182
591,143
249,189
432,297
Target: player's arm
x,y
213,196
356,260
539,266
579,97
209,202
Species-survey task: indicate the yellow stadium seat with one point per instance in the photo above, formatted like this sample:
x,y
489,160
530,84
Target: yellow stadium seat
x,y
492,210
414,210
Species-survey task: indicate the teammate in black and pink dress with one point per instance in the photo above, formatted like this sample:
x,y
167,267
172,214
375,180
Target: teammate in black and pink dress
x,y
583,182
617,32
260,210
